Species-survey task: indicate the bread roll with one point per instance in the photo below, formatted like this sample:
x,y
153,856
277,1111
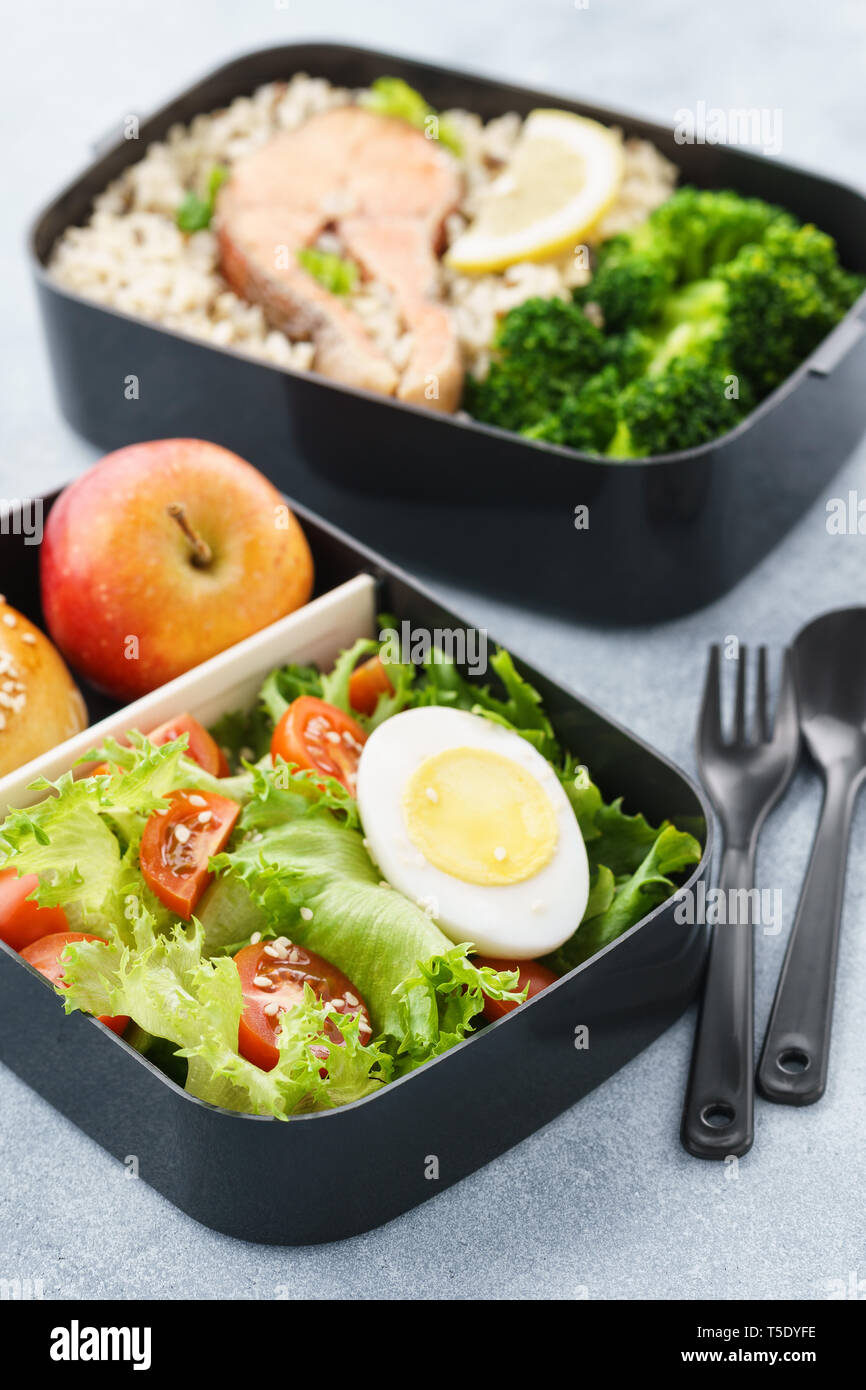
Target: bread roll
x,y
40,704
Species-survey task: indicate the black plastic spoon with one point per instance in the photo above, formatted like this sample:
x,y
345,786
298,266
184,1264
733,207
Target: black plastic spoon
x,y
830,670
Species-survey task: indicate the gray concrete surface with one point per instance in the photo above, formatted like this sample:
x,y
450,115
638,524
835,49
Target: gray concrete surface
x,y
603,1203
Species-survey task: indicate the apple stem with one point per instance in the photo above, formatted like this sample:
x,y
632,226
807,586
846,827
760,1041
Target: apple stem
x,y
202,555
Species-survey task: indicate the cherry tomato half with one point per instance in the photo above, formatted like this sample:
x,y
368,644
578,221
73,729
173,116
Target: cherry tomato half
x,y
178,842
201,747
20,921
317,735
45,954
272,978
537,976
366,683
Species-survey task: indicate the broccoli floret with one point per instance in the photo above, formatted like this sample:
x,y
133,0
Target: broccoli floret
x,y
555,332
585,419
707,306
545,350
629,353
782,298
704,228
693,324
630,283
682,240
687,404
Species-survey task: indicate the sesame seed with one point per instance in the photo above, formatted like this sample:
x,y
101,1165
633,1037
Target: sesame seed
x,y
338,1004
255,938
204,817
332,736
196,800
307,914
364,1027
273,951
499,852
262,981
271,1009
431,794
282,941
538,906
351,1000
29,638
9,619
181,834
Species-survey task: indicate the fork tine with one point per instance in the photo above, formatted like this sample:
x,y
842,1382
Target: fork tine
x,y
787,717
740,707
761,717
710,719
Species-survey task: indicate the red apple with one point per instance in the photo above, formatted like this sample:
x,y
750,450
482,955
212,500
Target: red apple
x,y
162,555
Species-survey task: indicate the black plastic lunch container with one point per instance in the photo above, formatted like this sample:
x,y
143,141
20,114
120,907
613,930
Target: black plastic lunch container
x,y
334,1174
473,504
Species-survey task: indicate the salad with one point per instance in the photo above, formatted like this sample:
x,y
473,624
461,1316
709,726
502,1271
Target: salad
x,y
329,889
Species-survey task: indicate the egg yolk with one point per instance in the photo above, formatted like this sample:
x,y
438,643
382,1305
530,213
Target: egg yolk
x,y
480,817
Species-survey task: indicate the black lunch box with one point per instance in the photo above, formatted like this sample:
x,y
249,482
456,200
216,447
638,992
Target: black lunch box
x,y
331,1175
475,505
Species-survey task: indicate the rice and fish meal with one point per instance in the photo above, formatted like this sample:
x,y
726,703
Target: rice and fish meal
x,y
540,272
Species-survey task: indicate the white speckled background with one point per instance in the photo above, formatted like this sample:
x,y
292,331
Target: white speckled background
x,y
602,1203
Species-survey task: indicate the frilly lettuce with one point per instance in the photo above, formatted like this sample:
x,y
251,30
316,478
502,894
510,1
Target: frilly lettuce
x,y
422,992
82,840
173,991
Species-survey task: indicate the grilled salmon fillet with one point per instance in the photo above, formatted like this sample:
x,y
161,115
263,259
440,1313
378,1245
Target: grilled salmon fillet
x,y
385,189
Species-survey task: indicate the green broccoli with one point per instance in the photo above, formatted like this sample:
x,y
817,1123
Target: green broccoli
x,y
687,404
585,419
546,354
782,298
682,240
708,305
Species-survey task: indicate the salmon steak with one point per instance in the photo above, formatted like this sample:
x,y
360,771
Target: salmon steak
x,y
384,189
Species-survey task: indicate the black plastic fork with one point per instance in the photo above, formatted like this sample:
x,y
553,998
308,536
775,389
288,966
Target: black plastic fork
x,y
744,778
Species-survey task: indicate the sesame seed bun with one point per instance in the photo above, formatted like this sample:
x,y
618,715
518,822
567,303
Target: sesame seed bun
x,y
40,704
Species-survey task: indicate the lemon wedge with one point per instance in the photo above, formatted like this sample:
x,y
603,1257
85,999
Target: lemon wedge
x,y
564,174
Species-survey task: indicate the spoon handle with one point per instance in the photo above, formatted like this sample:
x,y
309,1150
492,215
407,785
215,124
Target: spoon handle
x,y
793,1065
718,1116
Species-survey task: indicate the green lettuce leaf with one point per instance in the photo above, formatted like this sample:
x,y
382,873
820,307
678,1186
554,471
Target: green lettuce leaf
x,y
82,840
292,858
172,991
391,96
338,274
617,905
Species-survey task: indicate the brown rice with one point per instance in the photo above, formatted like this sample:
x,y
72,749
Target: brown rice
x,y
132,255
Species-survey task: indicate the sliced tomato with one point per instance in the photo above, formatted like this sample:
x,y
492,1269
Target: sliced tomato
x,y
178,842
317,735
366,683
45,954
202,748
21,921
273,977
537,976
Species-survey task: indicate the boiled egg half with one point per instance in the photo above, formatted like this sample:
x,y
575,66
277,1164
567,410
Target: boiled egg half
x,y
468,820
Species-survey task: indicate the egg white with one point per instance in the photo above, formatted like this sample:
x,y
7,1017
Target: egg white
x,y
518,921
